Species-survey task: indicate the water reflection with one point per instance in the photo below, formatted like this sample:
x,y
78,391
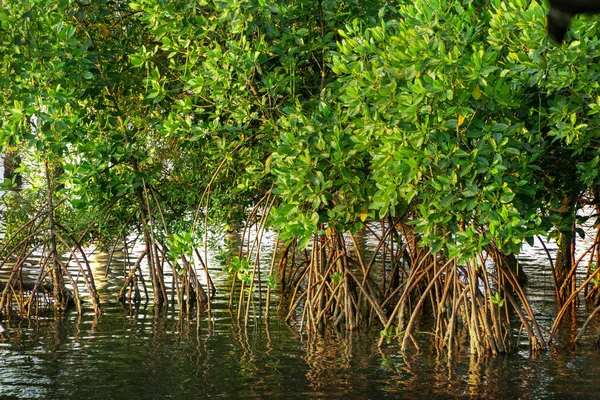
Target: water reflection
x,y
156,355
330,367
141,351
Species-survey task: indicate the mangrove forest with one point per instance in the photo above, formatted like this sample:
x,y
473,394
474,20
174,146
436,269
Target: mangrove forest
x,y
352,166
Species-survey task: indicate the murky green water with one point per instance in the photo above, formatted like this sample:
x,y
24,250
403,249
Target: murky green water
x,y
129,354
145,356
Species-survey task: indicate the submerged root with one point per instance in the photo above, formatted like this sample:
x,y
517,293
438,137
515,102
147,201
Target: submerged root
x,y
448,299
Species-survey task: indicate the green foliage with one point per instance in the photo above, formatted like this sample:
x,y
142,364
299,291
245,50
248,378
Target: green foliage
x,y
390,333
271,282
336,278
497,299
457,117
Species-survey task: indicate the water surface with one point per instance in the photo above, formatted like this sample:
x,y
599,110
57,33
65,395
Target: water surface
x,y
144,353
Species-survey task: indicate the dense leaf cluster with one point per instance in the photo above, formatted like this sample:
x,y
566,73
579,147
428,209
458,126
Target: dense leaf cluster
x,y
458,117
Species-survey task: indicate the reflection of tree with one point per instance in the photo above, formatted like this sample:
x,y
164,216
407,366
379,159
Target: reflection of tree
x,y
333,369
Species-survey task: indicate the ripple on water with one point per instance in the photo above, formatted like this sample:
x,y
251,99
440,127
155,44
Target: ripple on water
x,y
137,353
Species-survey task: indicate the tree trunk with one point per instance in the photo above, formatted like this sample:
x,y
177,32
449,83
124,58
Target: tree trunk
x,y
562,266
61,294
511,263
11,162
564,278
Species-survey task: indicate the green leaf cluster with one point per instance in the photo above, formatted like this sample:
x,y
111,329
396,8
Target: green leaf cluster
x,y
456,117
